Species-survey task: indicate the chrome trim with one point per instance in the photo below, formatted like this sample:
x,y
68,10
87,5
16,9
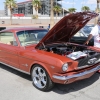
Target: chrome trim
x,y
98,61
76,75
15,68
26,65
83,67
39,77
92,60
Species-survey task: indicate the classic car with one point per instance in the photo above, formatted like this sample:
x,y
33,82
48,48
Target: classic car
x,y
49,57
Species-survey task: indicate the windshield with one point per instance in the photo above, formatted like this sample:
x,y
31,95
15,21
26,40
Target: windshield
x,y
28,37
87,29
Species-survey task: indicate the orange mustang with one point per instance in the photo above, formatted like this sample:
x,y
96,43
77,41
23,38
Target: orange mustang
x,y
49,57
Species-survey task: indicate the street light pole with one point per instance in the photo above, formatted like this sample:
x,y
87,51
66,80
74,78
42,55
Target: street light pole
x,y
83,3
62,8
73,3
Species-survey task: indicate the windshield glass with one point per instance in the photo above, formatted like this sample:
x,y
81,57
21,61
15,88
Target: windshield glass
x,y
87,29
28,37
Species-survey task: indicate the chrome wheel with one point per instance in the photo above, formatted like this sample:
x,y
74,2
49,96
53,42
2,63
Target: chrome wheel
x,y
39,77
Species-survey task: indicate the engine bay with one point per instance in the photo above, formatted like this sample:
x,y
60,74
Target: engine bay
x,y
72,51
85,56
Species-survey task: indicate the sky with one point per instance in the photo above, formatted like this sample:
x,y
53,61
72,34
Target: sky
x,y
79,3
66,4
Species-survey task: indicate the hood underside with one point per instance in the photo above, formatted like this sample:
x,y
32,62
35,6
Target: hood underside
x,y
67,27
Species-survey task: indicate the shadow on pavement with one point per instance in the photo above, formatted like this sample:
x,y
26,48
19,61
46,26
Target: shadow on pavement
x,y
59,88
68,88
23,75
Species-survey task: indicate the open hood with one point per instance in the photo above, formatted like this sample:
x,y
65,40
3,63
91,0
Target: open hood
x,y
67,27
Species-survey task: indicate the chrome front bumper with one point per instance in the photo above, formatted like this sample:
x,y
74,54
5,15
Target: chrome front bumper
x,y
76,75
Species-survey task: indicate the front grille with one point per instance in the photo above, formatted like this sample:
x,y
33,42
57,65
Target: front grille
x,y
89,60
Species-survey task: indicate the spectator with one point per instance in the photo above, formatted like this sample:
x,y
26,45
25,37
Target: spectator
x,y
48,27
3,22
95,33
41,27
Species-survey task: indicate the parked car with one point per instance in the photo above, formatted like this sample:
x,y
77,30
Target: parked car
x,y
2,28
87,29
81,36
49,57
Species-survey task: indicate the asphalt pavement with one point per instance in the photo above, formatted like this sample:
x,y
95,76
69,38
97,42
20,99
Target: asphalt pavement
x,y
15,85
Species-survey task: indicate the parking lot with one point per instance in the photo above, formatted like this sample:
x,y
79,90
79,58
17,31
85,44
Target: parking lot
x,y
15,85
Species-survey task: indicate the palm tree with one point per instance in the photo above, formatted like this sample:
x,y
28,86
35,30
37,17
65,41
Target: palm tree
x,y
97,10
98,4
85,8
71,10
37,5
51,14
10,5
57,9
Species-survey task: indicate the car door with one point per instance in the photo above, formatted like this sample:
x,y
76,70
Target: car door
x,y
9,49
25,60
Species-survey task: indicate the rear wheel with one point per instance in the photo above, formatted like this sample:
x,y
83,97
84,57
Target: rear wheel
x,y
41,79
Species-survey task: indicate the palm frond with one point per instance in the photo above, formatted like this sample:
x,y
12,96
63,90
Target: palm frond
x,y
71,10
36,4
57,9
85,8
10,3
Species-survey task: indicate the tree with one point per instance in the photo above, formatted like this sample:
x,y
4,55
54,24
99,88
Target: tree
x,y
37,5
85,8
51,14
71,10
98,1
57,9
10,5
97,10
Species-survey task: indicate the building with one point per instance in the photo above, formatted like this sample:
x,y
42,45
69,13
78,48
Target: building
x,y
27,9
2,13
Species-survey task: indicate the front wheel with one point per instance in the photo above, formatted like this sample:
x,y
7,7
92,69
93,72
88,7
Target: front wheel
x,y
41,79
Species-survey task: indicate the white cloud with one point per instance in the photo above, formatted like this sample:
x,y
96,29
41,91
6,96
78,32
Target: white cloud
x,y
89,2
71,3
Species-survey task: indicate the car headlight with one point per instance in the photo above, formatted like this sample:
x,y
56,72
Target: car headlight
x,y
65,67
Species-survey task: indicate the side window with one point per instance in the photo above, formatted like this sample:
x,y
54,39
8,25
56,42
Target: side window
x,y
22,36
8,38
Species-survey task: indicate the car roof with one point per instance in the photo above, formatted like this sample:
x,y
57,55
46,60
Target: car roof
x,y
16,29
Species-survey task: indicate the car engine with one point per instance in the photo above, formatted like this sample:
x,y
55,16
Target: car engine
x,y
72,51
79,53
